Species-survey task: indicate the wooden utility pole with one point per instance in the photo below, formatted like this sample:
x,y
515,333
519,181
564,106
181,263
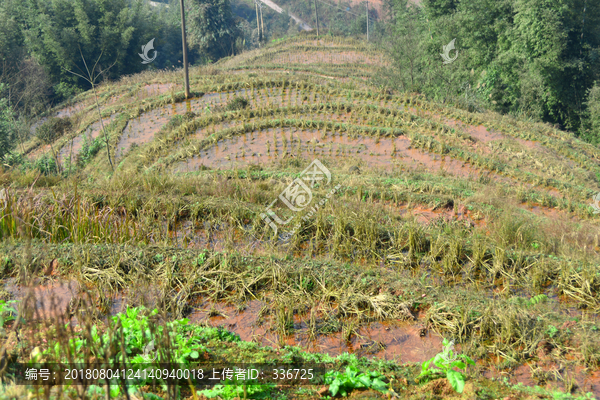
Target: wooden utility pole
x,y
262,23
185,55
258,23
367,20
317,15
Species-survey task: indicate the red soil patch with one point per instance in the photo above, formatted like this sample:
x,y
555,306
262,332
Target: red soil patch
x,y
402,341
548,374
51,299
155,89
74,146
143,128
39,151
427,215
252,148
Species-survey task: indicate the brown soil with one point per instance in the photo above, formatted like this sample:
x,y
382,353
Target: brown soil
x,y
402,342
391,341
51,299
364,150
156,89
73,147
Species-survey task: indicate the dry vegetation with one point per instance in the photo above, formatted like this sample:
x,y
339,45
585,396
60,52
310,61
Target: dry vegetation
x,y
472,226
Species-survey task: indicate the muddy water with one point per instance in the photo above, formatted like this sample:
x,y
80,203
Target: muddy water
x,y
142,129
252,148
391,341
51,299
402,342
530,374
364,150
283,70
151,90
156,89
481,133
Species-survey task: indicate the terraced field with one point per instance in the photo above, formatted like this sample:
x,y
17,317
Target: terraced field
x,y
420,222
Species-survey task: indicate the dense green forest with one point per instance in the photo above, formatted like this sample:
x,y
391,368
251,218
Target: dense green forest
x,y
536,59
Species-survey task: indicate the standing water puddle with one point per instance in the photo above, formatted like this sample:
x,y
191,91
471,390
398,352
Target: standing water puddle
x,y
401,342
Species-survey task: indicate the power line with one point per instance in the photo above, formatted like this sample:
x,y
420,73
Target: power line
x,y
346,11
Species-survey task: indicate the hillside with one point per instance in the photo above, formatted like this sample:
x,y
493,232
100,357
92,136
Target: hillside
x,y
420,221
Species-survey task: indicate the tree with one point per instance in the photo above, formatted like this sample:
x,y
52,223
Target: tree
x,y
91,77
407,48
438,8
591,131
6,126
536,58
118,29
212,28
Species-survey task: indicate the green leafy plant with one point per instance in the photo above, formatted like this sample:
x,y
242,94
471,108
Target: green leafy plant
x,y
345,382
46,165
7,312
540,298
234,388
537,299
89,149
551,331
445,362
187,341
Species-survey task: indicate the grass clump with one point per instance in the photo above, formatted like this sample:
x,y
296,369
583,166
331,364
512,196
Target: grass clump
x,y
237,103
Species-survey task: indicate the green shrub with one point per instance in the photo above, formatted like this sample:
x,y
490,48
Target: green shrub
x,y
7,311
12,159
591,132
89,150
52,129
46,165
6,126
